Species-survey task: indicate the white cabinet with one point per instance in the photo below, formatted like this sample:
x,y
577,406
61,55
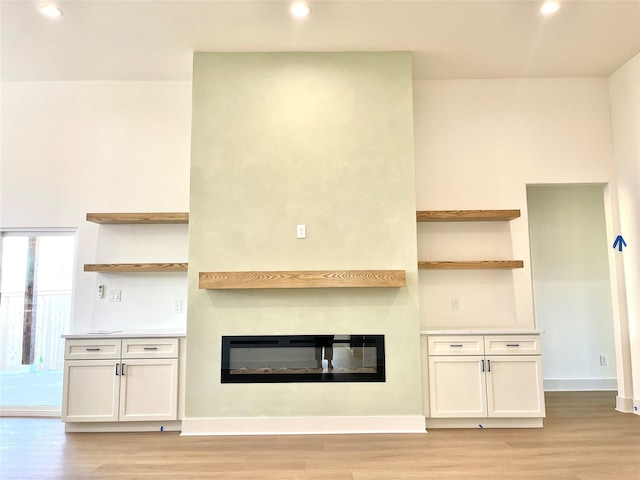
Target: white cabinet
x,y
514,386
91,391
457,387
120,380
490,376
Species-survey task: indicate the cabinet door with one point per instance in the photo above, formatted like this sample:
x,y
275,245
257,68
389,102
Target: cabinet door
x,y
457,387
149,390
90,391
514,386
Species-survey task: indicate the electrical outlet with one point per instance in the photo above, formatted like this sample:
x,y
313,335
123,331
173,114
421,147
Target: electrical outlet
x,y
177,306
604,361
301,231
455,304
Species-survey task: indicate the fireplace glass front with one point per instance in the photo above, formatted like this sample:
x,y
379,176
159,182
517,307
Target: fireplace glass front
x,y
303,358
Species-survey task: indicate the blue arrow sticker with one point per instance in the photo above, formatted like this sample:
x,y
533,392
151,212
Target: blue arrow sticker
x,y
619,243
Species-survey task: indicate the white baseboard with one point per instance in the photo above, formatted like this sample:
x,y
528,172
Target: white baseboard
x,y
579,384
484,423
624,405
25,411
171,426
303,425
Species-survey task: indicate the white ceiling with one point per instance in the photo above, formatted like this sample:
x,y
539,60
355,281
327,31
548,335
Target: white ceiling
x,y
154,40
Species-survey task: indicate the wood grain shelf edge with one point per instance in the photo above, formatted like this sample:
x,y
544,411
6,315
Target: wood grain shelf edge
x,y
471,265
466,215
139,218
135,267
302,279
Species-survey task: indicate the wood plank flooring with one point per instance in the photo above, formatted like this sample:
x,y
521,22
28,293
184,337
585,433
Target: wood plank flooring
x,y
584,439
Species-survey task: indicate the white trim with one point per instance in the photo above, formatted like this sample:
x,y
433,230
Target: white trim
x,y
29,411
482,331
484,423
303,425
35,232
579,384
624,405
171,426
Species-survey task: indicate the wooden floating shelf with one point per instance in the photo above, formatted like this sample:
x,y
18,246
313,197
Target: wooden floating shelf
x,y
139,218
303,279
471,265
466,215
135,267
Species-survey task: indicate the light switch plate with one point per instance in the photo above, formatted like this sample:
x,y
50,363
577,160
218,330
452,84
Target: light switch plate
x,y
455,304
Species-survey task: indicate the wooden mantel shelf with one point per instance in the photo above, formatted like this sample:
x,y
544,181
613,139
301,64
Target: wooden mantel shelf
x,y
471,265
139,218
135,267
303,279
466,215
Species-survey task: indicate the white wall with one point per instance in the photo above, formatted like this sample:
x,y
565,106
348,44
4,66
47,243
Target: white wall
x,y
69,148
624,88
72,147
572,294
478,144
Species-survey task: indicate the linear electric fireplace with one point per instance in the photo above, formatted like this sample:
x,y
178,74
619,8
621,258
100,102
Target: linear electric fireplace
x,y
303,358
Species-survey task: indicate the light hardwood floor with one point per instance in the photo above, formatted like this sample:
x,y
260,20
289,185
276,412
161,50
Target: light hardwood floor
x,y
583,438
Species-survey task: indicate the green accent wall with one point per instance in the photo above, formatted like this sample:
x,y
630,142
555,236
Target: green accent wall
x,y
324,140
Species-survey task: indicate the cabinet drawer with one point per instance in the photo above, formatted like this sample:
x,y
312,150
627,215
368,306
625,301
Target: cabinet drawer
x,y
99,348
150,348
512,344
453,345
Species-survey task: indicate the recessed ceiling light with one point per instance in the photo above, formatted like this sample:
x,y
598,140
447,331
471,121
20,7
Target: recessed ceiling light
x,y
50,11
300,9
549,8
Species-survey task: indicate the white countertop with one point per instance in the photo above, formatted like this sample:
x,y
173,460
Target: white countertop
x,y
127,334
482,331
181,333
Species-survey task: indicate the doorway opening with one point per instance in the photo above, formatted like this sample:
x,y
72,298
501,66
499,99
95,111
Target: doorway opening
x,y
35,310
571,286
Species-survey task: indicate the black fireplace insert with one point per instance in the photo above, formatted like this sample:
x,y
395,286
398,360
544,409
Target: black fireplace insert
x,y
303,358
